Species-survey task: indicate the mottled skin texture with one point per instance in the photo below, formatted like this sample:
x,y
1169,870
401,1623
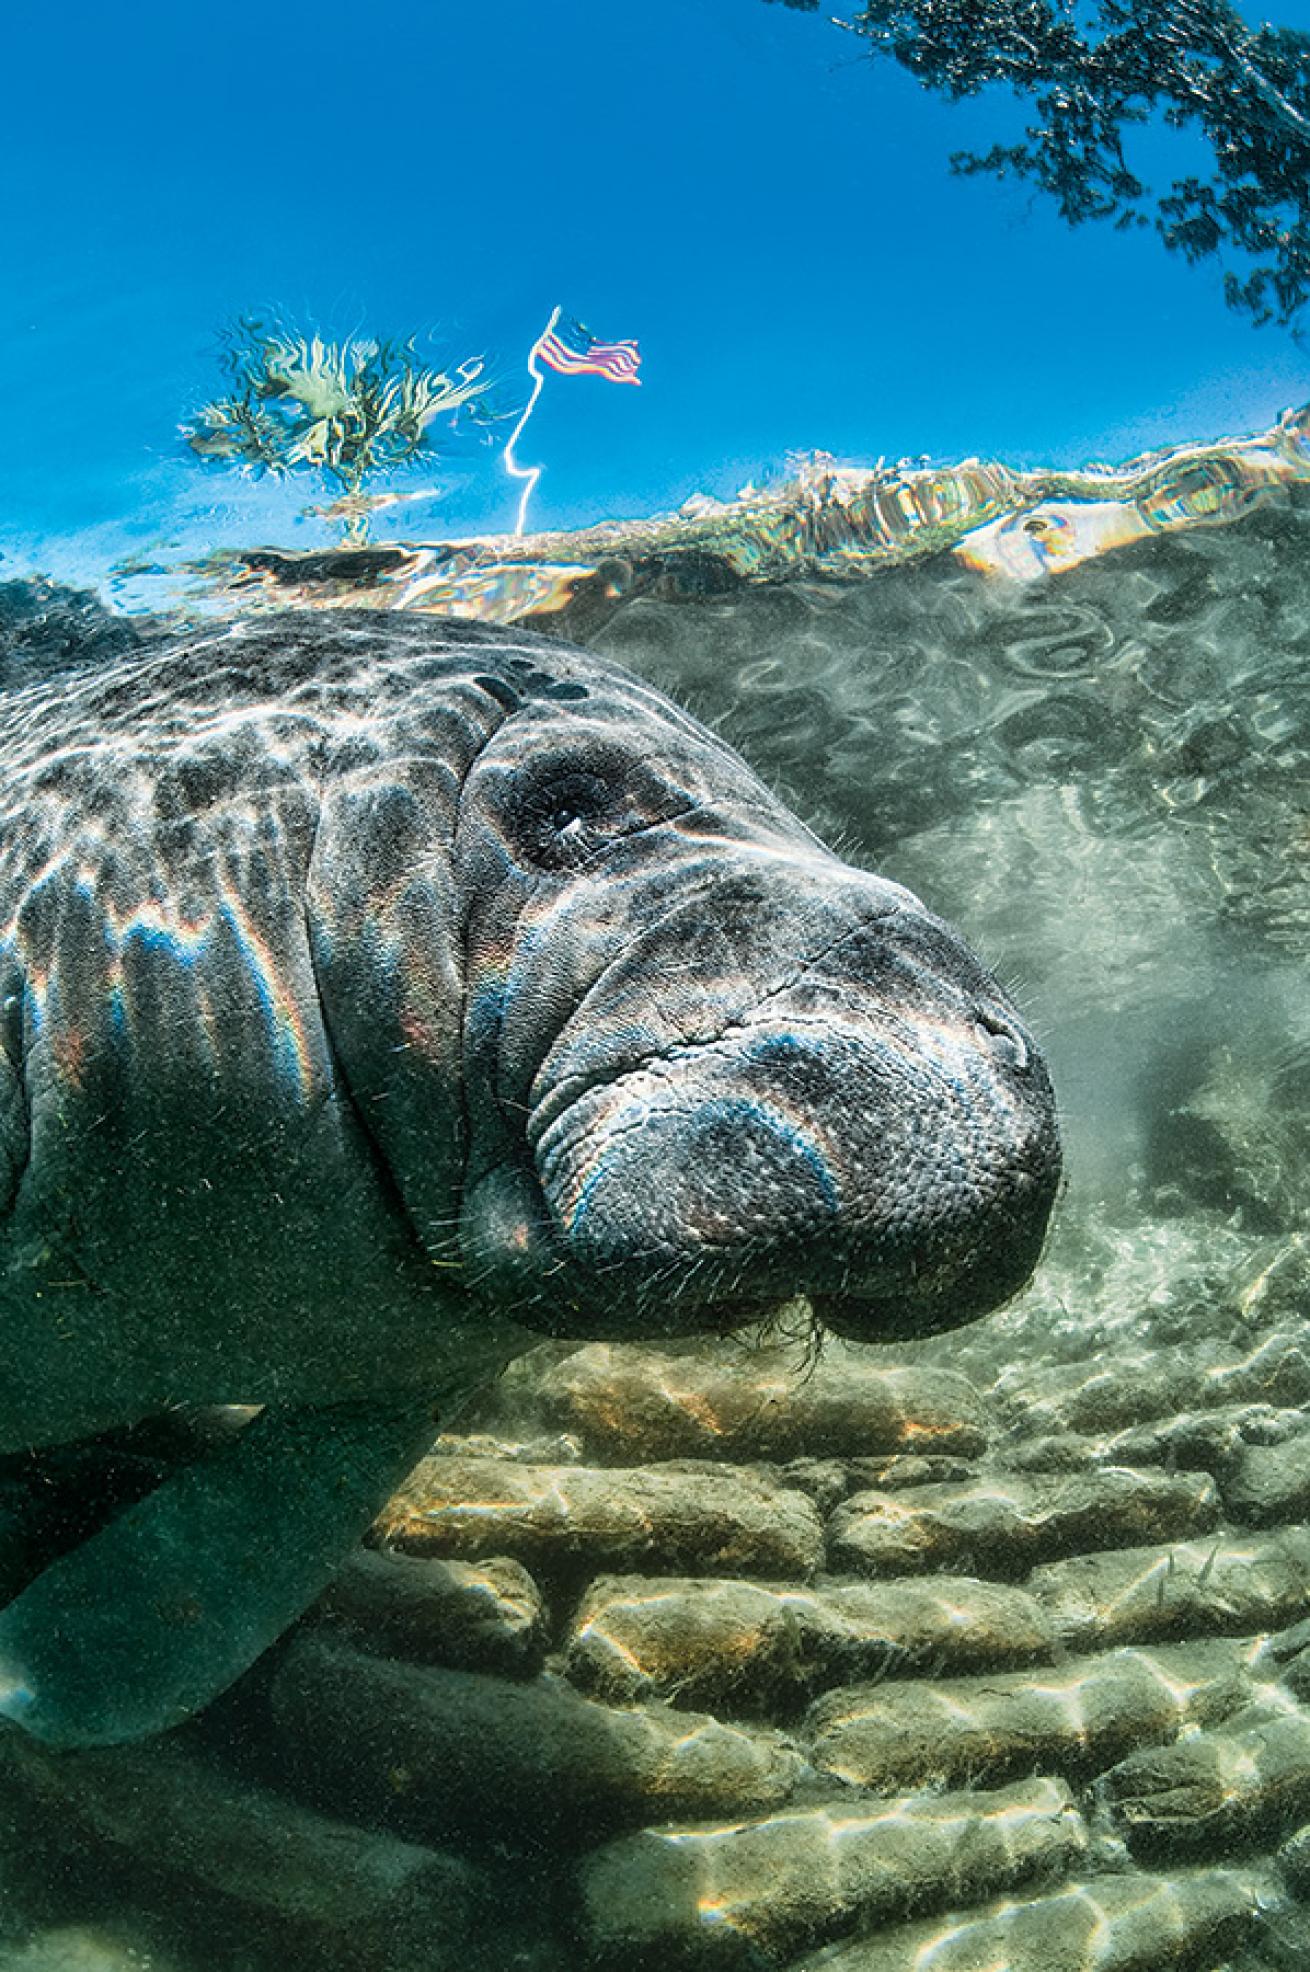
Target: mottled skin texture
x,y
377,992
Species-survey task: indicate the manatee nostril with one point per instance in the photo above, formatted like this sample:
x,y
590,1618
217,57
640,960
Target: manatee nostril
x,y
1000,1037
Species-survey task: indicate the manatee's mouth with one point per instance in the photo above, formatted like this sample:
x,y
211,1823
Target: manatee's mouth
x,y
517,1256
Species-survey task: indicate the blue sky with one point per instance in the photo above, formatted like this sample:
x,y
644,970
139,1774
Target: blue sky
x,y
766,210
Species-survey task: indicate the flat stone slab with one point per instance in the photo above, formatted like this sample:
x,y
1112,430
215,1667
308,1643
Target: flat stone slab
x,y
1002,1526
1075,1720
742,1646
435,1753
713,1519
1221,1587
471,1615
724,1401
1092,1399
759,1891
1213,1789
1187,1923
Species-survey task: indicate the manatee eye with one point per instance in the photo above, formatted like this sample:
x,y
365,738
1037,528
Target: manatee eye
x,y
560,809
572,801
562,819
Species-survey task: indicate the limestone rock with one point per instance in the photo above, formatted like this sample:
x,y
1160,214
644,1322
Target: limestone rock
x,y
556,1449
742,1646
1205,1441
826,1481
1076,1719
1295,1676
471,1615
720,1520
1275,1371
755,1892
720,1401
1284,1646
1002,1526
1189,1923
1270,1483
434,1753
1219,1587
1213,1789
1092,1398
1089,1398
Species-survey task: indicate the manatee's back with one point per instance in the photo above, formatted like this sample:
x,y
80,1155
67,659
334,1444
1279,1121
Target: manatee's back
x,y
191,1207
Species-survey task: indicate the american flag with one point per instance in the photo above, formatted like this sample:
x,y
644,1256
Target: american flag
x,y
571,347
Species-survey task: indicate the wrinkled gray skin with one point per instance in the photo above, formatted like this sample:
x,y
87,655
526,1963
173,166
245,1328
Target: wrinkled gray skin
x,y
378,993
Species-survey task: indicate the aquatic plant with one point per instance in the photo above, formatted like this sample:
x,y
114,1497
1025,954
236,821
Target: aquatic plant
x,y
349,410
1092,71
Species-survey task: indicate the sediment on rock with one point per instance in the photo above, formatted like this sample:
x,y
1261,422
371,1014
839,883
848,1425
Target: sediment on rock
x,y
743,1646
1076,1719
717,1520
1002,1526
1189,1923
755,1892
724,1401
1221,1587
444,1754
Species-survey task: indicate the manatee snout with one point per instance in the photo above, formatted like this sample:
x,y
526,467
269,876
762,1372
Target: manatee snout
x,y
878,1132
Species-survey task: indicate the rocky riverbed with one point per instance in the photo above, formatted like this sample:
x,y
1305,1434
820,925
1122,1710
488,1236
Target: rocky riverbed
x,y
720,1657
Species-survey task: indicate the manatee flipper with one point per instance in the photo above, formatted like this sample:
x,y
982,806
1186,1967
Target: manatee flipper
x,y
161,1610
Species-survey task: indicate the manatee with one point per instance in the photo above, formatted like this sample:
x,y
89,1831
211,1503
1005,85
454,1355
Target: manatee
x,y
379,994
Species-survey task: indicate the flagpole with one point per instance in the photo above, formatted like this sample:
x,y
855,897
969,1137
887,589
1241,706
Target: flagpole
x,y
529,473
